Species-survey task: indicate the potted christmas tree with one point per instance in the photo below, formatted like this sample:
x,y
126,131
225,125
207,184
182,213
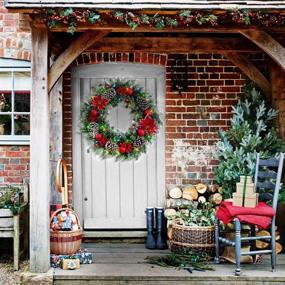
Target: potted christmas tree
x,y
252,131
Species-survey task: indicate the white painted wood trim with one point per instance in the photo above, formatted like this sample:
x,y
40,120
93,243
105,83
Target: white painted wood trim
x,y
76,149
39,159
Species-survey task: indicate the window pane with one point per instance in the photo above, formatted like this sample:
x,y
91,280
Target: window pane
x,y
22,81
22,124
6,82
22,101
5,101
5,124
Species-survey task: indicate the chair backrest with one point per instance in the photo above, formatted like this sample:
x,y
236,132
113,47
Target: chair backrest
x,y
268,174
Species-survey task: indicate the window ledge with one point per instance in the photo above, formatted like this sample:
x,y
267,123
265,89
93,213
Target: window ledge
x,y
14,140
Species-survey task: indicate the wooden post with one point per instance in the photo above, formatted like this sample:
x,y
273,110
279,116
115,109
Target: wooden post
x,y
55,136
277,78
39,159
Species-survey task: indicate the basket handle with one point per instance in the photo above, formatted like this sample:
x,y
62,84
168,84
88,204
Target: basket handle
x,y
66,209
61,168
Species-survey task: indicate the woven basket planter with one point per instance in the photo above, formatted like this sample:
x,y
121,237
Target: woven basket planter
x,y
197,239
65,242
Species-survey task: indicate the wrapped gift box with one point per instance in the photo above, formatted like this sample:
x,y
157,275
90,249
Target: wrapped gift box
x,y
245,195
84,257
70,264
250,201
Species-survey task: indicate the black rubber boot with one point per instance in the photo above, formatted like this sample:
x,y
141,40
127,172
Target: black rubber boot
x,y
150,241
160,228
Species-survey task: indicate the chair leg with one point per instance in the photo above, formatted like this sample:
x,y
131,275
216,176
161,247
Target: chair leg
x,y
217,242
273,247
253,242
16,242
237,246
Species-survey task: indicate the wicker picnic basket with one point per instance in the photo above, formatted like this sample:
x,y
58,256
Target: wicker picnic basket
x,y
197,239
65,242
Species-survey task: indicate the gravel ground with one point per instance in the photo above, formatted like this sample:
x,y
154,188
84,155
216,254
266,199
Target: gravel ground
x,y
7,274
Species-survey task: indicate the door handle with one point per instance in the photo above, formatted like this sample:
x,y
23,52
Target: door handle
x,y
85,199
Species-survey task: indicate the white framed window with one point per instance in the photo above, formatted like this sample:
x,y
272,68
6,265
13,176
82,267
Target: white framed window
x,y
15,86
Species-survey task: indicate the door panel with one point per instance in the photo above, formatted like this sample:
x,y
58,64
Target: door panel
x,y
115,194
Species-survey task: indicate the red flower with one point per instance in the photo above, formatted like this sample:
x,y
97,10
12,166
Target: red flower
x,y
98,102
148,124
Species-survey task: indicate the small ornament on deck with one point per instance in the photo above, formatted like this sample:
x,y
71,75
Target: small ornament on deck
x,y
245,195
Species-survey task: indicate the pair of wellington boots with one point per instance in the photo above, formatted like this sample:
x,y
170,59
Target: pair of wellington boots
x,y
155,239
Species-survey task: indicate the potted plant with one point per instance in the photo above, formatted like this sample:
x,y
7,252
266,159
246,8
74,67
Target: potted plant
x,y
193,229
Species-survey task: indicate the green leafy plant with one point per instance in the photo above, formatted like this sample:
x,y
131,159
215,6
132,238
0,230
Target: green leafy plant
x,y
252,131
10,198
202,215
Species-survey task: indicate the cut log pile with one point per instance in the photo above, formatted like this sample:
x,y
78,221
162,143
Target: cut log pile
x,y
179,198
182,197
263,244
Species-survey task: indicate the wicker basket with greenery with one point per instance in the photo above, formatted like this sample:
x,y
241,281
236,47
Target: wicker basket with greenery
x,y
193,229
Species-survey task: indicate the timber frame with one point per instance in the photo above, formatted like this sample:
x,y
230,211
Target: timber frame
x,y
231,42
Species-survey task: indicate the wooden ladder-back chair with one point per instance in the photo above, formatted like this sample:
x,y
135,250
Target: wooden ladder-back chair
x,y
268,174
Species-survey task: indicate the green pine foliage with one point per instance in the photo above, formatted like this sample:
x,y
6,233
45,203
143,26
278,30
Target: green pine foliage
x,y
252,131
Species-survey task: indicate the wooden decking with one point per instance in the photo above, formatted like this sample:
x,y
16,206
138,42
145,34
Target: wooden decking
x,y
125,264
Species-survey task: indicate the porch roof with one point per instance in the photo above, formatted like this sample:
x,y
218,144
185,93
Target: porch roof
x,y
149,4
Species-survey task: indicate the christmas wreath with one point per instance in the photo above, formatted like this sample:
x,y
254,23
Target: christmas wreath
x,y
109,141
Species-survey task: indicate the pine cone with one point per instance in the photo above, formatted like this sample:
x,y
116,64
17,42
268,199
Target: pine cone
x,y
142,103
110,94
139,142
94,129
110,146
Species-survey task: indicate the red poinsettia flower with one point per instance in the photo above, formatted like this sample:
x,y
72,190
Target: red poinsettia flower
x,y
98,102
148,124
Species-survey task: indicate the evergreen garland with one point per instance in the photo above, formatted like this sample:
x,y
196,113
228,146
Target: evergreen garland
x,y
110,142
186,260
252,131
72,17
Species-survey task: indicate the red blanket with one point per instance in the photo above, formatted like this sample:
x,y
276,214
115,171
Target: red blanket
x,y
261,215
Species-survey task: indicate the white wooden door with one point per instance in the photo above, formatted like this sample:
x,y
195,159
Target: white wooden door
x,y
110,194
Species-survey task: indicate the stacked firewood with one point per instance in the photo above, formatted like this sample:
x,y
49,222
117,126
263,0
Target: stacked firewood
x,y
182,197
263,244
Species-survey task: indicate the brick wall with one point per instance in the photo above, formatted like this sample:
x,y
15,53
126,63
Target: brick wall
x,y
15,38
14,163
15,43
194,116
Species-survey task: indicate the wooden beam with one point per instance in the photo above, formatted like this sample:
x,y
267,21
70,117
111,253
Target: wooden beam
x,y
277,78
250,70
268,44
75,49
175,44
39,159
124,28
